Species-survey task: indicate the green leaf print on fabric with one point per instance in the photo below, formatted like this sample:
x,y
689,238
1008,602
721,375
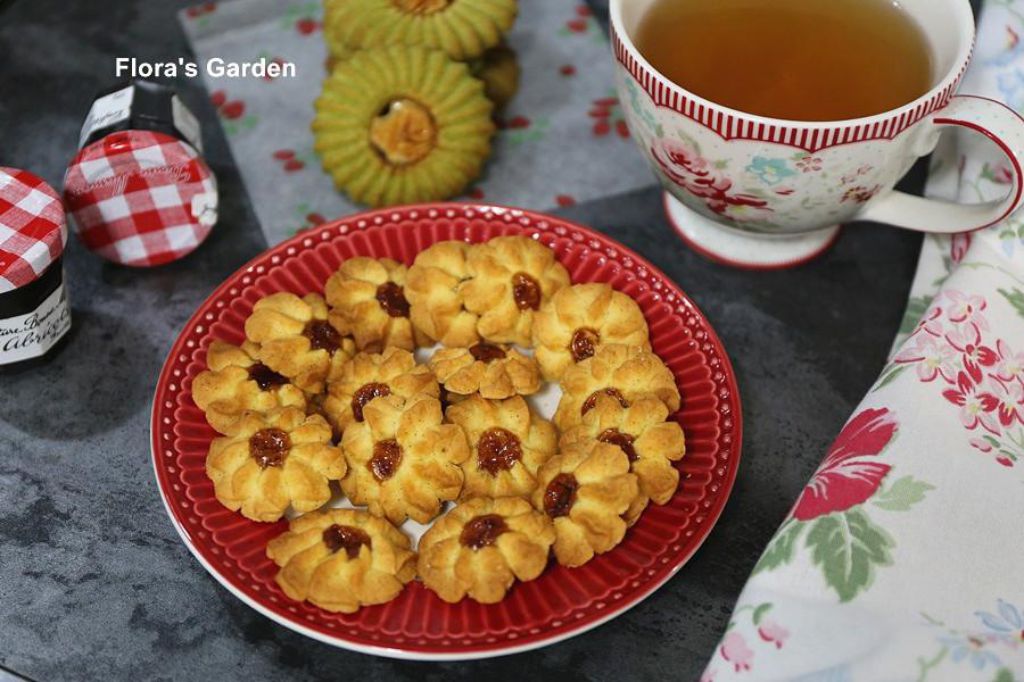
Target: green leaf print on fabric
x,y
848,547
902,494
781,548
1014,297
916,307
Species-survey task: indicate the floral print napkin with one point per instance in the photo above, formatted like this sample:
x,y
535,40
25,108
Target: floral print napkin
x,y
562,140
900,558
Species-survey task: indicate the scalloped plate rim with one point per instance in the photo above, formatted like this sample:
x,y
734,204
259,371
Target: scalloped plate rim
x,y
498,648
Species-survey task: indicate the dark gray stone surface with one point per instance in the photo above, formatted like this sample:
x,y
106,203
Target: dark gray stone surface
x,y
94,582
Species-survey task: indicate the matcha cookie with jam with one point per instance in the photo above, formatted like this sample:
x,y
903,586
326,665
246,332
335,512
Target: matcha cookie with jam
x,y
402,125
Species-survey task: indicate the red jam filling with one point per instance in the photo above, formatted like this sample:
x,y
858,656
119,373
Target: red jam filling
x,y
365,394
590,402
560,495
265,377
348,538
584,343
482,531
391,298
623,440
387,455
269,447
498,449
486,352
322,336
525,291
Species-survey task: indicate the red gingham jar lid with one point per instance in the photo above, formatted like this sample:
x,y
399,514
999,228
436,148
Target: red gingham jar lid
x,y
140,197
32,228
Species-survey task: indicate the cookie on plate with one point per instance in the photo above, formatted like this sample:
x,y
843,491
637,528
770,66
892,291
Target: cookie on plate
x,y
482,546
512,278
498,68
342,559
493,371
296,339
372,375
367,295
236,383
274,460
435,288
622,374
402,461
508,442
650,442
585,490
579,320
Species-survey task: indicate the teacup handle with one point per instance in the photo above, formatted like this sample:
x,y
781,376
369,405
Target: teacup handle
x,y
1000,124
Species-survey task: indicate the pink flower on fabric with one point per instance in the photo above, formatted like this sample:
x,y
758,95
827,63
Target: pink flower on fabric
x,y
1011,365
734,649
1006,400
708,676
967,340
981,444
772,632
931,356
972,408
958,246
965,308
848,477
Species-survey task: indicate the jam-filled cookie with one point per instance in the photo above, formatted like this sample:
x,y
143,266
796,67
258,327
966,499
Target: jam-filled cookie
x,y
491,370
297,340
650,442
579,320
372,375
513,277
482,546
402,125
508,442
367,295
435,287
622,374
342,559
585,490
463,29
236,383
402,461
274,460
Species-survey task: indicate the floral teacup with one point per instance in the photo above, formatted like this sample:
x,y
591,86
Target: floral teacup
x,y
765,193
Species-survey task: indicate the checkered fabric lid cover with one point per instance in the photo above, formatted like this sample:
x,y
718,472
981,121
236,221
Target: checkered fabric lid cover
x,y
140,198
32,228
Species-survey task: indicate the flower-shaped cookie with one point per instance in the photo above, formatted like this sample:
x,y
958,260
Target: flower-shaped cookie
x,y
342,559
585,490
272,460
508,442
403,462
580,319
435,287
367,296
482,546
650,442
297,340
372,375
236,383
493,371
512,278
620,373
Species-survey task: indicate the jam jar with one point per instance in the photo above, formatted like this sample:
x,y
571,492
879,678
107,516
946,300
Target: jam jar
x,y
139,192
34,311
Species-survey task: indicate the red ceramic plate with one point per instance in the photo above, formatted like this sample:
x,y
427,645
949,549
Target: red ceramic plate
x,y
562,602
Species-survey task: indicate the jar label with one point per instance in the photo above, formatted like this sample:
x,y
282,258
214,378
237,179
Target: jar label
x,y
106,111
29,336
